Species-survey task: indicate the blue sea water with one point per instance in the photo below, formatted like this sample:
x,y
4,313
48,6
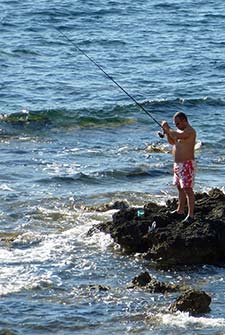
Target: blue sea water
x,y
71,140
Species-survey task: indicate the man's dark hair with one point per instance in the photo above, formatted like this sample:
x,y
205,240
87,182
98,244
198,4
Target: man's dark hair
x,y
181,116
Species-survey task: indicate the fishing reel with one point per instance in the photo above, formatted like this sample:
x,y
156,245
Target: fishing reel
x,y
161,135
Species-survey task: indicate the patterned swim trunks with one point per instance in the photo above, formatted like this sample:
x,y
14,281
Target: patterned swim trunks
x,y
184,174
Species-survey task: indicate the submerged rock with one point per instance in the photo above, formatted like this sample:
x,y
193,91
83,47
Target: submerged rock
x,y
191,301
8,238
98,287
163,238
194,301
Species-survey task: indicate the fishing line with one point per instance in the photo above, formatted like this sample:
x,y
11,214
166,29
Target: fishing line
x,y
109,77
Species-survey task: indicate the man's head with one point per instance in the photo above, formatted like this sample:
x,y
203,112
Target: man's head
x,y
180,120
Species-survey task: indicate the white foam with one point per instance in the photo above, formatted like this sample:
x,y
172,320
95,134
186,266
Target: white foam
x,y
33,257
5,187
84,222
184,320
198,145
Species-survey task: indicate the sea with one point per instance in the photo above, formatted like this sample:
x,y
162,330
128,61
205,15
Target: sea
x,y
71,141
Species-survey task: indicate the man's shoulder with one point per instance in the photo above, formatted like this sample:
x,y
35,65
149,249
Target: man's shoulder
x,y
190,130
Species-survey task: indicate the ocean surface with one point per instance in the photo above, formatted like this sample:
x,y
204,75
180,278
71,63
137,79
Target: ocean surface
x,y
71,140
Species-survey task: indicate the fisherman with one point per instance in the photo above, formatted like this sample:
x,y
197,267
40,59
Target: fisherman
x,y
183,141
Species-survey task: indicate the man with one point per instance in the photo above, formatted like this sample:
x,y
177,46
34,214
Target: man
x,y
183,141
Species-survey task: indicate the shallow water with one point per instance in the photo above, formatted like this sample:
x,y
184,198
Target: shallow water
x,y
71,139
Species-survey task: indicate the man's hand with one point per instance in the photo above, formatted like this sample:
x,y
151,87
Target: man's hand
x,y
168,131
165,126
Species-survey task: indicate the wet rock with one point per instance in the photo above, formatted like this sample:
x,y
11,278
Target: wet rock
x,y
144,280
8,238
162,237
98,287
158,147
195,302
106,207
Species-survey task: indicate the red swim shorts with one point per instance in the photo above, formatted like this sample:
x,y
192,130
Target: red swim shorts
x,y
184,174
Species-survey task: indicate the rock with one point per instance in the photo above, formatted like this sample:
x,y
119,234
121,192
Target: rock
x,y
8,238
98,287
157,148
144,280
172,242
195,302
106,207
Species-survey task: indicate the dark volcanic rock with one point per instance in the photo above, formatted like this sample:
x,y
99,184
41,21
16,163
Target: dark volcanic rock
x,y
144,280
193,301
99,287
107,207
172,242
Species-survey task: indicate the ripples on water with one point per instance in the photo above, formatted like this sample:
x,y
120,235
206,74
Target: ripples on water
x,y
70,140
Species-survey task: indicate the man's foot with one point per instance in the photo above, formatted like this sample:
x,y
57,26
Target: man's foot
x,y
189,220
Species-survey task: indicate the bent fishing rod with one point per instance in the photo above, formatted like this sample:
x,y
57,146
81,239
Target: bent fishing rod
x,y
109,77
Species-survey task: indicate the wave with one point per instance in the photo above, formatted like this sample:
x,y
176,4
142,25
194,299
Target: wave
x,y
62,118
115,116
99,177
184,320
185,102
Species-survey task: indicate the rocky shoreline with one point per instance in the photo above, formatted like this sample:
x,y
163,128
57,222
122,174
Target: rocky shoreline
x,y
162,237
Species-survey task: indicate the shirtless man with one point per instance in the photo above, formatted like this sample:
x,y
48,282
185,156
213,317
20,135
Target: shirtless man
x,y
183,141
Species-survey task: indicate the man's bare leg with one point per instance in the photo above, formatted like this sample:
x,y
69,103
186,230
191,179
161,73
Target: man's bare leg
x,y
189,193
181,200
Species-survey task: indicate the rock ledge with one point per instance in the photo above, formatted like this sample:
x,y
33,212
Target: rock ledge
x,y
161,236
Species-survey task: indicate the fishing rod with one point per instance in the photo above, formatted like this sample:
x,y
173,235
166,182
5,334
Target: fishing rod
x,y
109,77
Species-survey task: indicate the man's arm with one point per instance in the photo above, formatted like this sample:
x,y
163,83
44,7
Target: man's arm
x,y
173,135
169,133
186,134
